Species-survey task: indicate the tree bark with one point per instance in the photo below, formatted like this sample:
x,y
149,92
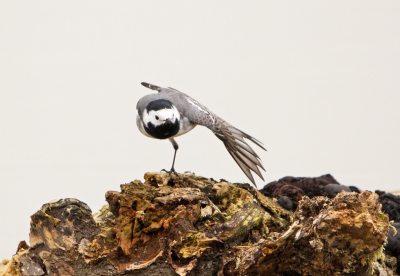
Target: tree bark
x,y
190,225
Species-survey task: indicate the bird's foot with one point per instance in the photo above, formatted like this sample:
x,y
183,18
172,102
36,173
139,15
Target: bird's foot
x,y
170,172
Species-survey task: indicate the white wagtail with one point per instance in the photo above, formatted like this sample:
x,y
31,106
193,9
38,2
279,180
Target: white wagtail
x,y
171,113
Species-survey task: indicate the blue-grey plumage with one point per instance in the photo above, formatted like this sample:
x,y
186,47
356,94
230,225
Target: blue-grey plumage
x,y
171,113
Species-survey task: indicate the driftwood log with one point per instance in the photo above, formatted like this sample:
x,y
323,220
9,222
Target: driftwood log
x,y
190,225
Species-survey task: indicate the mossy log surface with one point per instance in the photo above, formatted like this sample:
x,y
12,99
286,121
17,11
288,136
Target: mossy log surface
x,y
190,225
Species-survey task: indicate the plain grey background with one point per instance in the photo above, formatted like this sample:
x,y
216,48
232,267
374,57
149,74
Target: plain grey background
x,y
316,81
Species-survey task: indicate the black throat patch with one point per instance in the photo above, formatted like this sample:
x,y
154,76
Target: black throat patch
x,y
164,131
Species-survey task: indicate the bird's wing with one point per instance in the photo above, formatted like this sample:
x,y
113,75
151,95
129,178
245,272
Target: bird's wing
x,y
232,137
237,147
151,86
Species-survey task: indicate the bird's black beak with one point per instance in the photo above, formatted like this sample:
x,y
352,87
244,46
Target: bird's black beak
x,y
168,121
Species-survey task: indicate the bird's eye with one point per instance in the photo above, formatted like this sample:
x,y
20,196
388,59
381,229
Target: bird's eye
x,y
157,117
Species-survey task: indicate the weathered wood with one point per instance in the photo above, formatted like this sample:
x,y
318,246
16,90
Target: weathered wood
x,y
190,225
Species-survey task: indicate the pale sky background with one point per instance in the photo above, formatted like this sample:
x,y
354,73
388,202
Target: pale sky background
x,y
318,82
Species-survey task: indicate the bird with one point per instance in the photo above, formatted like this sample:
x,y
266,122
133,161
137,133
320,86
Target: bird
x,y
171,113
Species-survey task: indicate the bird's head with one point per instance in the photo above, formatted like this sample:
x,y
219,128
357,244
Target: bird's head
x,y
161,119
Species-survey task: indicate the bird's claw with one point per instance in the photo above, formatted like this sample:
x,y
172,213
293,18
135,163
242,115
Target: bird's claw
x,y
170,172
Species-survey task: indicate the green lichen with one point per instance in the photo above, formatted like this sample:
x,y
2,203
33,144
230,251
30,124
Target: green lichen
x,y
94,246
374,257
190,245
103,212
232,198
382,217
393,228
56,222
127,230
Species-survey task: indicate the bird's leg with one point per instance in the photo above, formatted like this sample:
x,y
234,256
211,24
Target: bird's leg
x,y
176,147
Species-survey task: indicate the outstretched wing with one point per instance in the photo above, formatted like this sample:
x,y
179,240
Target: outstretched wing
x,y
237,147
232,137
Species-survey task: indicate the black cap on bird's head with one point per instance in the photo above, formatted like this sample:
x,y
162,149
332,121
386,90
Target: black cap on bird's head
x,y
159,105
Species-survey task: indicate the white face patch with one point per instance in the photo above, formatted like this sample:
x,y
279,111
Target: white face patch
x,y
160,116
